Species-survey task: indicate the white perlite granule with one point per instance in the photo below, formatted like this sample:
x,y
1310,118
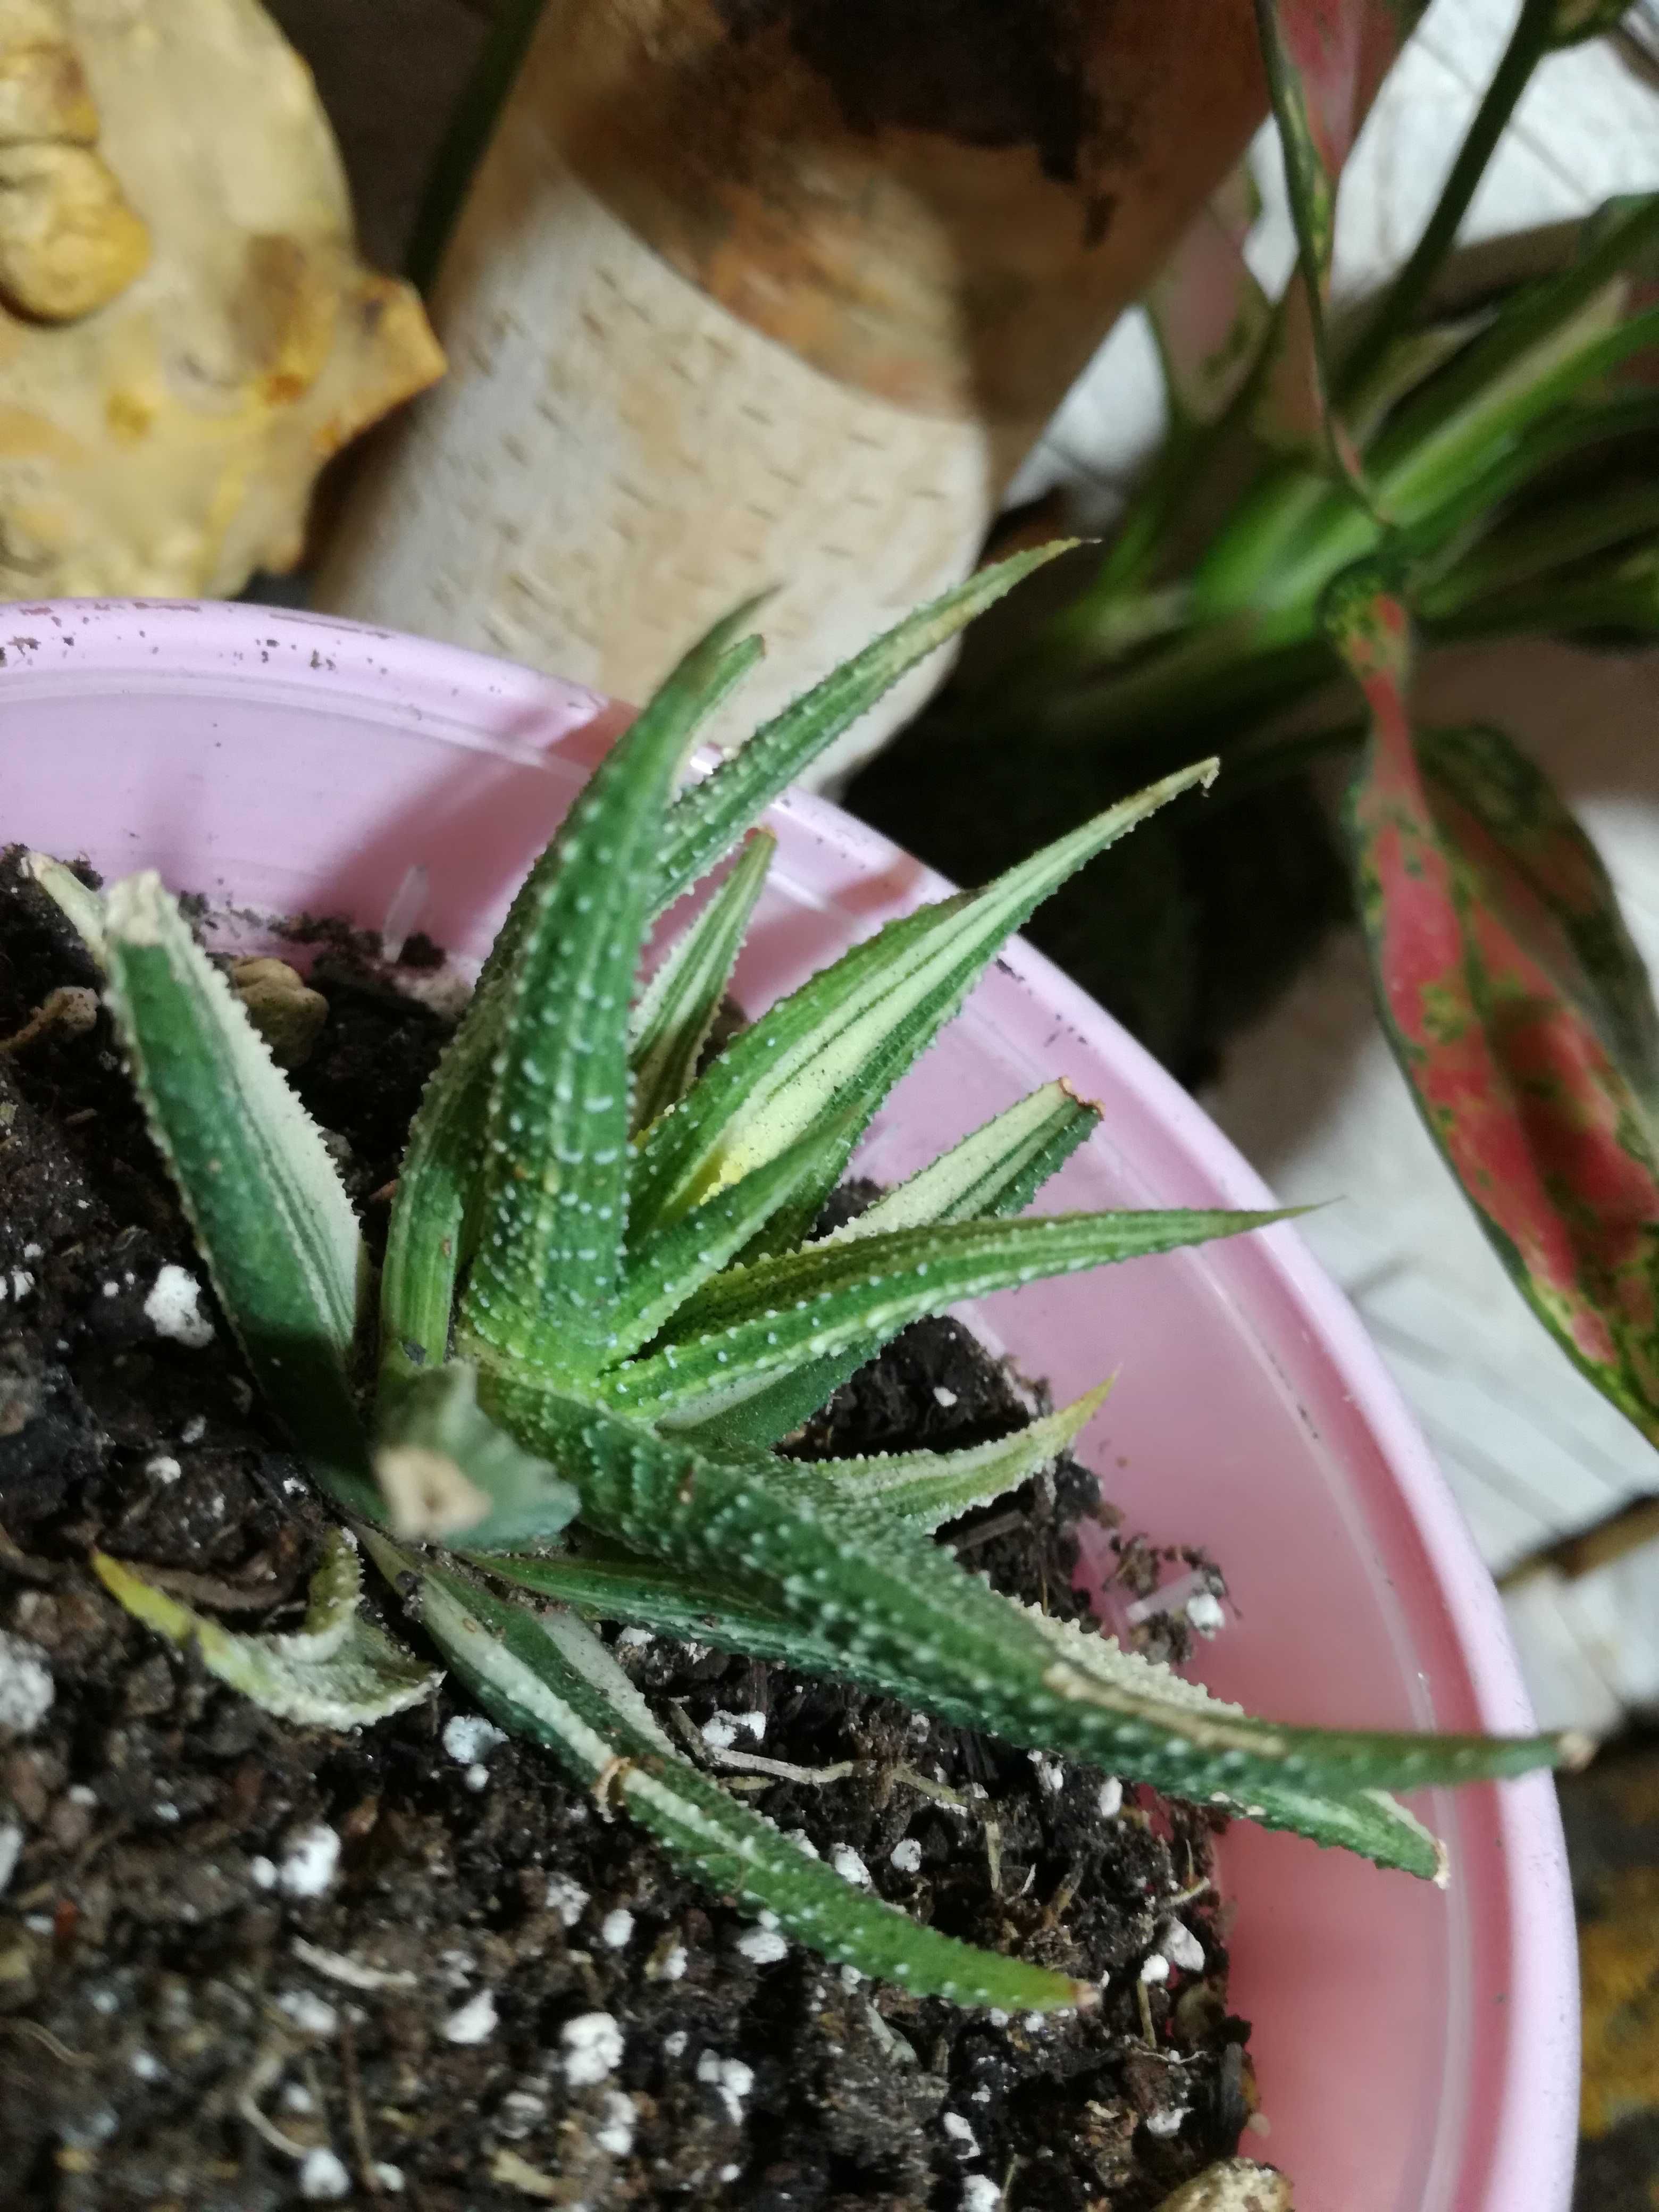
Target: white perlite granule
x,y
592,2048
981,2193
163,1467
615,2132
762,1946
729,2078
616,1928
310,1856
566,1898
1182,1948
1155,1968
173,1308
473,2022
26,1684
1204,1613
906,1855
961,2133
323,2180
311,2014
1166,2124
849,1866
468,1737
1111,1798
11,1843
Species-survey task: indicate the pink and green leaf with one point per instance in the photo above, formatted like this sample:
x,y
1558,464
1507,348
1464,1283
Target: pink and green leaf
x,y
1517,1008
1209,315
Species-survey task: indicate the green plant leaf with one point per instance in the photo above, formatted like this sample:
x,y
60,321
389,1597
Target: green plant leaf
x,y
994,1172
618,1585
928,1488
556,1158
435,1211
752,1325
81,906
673,1263
710,817
447,1472
547,1677
678,1007
899,1613
269,1215
339,1671
836,1046
1518,1010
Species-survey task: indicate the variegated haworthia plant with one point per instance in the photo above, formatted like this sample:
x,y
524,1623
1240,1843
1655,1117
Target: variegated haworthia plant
x,y
603,1305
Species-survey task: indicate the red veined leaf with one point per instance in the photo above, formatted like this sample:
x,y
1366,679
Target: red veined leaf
x,y
1516,1006
1325,60
1208,313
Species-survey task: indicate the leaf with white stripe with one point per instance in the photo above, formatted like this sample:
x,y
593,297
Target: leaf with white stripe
x,y
270,1216
547,1677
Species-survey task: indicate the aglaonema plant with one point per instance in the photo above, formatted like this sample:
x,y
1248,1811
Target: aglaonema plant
x,y
1417,475
603,1302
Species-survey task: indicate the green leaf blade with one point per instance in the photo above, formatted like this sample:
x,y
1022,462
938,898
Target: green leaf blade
x,y
549,1678
269,1212
448,1473
675,1011
709,818
753,1326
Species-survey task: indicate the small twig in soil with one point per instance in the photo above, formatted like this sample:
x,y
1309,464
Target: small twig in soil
x,y
993,1855
35,2034
25,1566
1004,1524
515,2173
265,2069
71,1008
1149,2033
752,1762
939,1791
356,2119
1186,1896
339,1968
252,1593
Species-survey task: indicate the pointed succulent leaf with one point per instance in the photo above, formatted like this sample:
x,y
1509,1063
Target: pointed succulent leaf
x,y
556,1159
434,1213
673,1263
447,1472
842,1040
928,1488
619,1585
340,1671
1517,1009
710,817
996,1172
81,906
270,1217
892,1605
678,1007
998,1169
753,1325
548,1677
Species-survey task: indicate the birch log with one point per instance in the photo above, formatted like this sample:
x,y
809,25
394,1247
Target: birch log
x,y
776,293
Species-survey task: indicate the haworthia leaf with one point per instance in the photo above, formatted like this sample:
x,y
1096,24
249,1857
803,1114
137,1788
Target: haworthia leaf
x,y
998,1169
709,818
547,1677
1518,1009
81,906
842,1040
622,1586
447,1472
674,1262
927,1488
677,1010
995,1171
340,1671
753,1325
897,1610
556,1165
270,1217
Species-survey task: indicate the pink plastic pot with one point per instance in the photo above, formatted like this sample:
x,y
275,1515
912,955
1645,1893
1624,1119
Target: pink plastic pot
x,y
1417,2051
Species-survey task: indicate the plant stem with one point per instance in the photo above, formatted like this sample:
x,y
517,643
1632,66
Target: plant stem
x,y
470,130
1397,311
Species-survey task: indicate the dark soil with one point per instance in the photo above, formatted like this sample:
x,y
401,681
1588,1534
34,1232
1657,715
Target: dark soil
x,y
186,2020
